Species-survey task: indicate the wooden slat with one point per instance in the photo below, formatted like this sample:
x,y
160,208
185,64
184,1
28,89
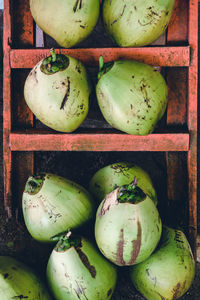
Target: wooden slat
x,y
22,24
178,26
177,99
162,56
21,141
22,33
192,121
7,109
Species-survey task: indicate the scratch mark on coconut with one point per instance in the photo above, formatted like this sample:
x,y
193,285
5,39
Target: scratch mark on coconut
x,y
80,291
122,169
66,94
119,16
136,244
109,201
153,278
86,262
120,249
77,3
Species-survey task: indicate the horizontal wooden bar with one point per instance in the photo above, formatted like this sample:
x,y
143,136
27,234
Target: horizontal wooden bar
x,y
37,141
156,56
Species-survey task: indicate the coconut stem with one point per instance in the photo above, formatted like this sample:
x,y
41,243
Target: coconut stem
x,y
104,67
67,241
54,63
34,184
131,193
53,54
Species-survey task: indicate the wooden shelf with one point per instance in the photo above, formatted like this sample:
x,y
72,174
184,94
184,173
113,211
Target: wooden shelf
x,y
156,56
33,140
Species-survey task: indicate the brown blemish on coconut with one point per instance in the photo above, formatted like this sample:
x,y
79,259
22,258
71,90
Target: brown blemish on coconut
x,y
77,5
109,292
86,262
120,249
176,291
119,15
109,201
66,94
136,244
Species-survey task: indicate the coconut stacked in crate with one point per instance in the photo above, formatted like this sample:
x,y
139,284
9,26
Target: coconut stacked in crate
x,y
120,210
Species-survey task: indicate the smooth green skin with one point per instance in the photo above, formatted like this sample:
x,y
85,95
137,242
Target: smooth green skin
x,y
20,280
70,279
120,225
132,97
44,95
168,273
58,19
136,23
59,205
108,178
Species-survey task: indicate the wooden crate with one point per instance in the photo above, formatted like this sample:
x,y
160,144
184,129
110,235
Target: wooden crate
x,y
176,134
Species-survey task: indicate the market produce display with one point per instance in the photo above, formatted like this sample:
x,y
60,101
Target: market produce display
x,y
76,270
128,226
124,222
18,281
53,204
114,175
68,22
57,91
132,96
136,23
169,272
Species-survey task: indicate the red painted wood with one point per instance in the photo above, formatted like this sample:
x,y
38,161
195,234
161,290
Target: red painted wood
x,y
177,99
162,56
7,109
177,111
37,141
22,21
192,120
23,117
178,27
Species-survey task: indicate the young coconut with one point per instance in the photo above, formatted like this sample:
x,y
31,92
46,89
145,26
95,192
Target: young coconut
x,y
132,96
68,22
76,270
114,175
168,273
17,281
57,91
128,226
136,23
52,204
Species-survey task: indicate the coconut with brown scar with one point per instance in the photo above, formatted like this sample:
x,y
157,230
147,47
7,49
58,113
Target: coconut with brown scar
x,y
128,226
169,272
77,270
57,91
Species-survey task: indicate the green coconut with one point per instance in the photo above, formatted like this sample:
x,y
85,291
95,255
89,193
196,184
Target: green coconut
x,y
68,22
18,281
168,273
77,270
136,23
128,226
53,204
132,96
114,175
57,91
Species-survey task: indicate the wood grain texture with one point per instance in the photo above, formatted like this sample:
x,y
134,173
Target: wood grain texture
x,y
37,141
157,56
